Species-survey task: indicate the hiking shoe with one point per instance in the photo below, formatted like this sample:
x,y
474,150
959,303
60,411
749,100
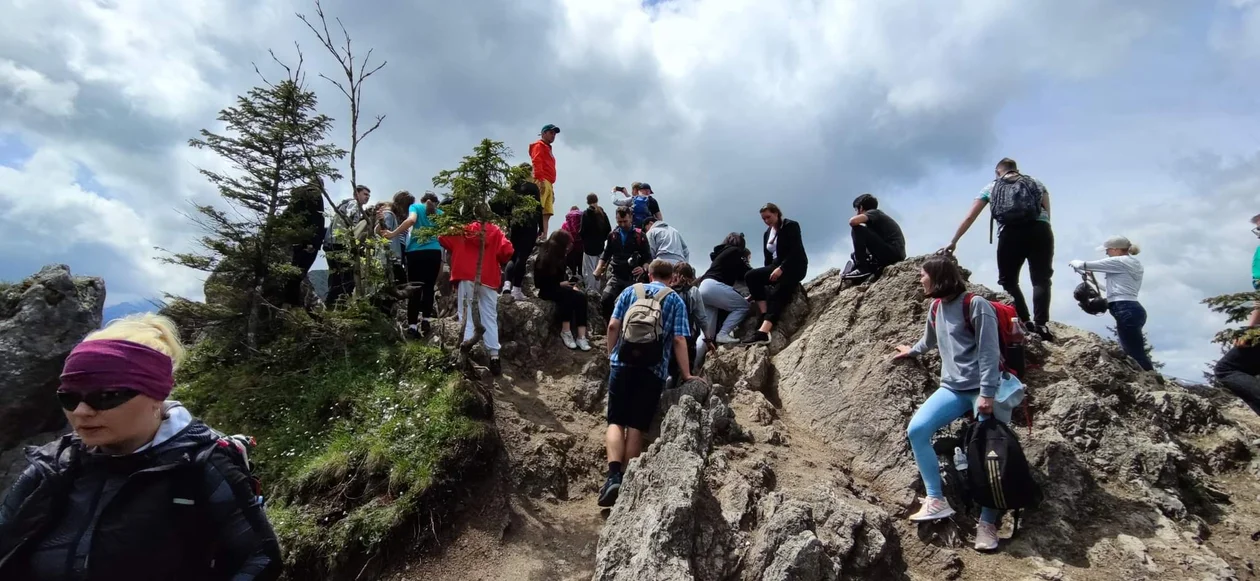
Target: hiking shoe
x,y
425,327
518,294
1043,330
496,369
727,339
413,332
933,509
757,338
567,338
583,344
507,288
857,274
608,494
986,536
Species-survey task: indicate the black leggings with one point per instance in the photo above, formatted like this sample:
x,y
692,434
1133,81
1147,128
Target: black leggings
x,y
570,306
522,246
1238,371
423,267
303,257
869,250
778,294
1034,243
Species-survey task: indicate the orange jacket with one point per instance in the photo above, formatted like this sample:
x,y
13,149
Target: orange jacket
x,y
543,160
463,251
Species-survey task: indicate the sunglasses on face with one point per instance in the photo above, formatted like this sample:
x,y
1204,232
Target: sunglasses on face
x,y
97,400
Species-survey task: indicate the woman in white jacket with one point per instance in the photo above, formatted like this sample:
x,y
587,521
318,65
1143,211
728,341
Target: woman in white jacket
x,y
1123,274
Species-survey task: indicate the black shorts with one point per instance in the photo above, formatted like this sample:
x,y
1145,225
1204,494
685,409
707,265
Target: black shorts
x,y
634,394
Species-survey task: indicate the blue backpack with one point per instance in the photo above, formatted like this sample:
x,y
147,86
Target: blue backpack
x,y
641,211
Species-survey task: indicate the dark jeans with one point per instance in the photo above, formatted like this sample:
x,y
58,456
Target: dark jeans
x,y
778,295
570,306
1237,371
1032,243
870,252
523,243
303,257
423,267
612,290
674,369
340,280
1130,318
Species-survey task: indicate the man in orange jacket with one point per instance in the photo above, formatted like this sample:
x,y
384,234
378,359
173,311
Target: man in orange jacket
x,y
464,249
545,172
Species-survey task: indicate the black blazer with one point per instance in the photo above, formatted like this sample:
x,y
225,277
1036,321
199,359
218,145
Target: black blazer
x,y
792,258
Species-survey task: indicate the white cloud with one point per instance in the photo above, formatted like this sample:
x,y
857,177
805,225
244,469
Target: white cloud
x,y
31,89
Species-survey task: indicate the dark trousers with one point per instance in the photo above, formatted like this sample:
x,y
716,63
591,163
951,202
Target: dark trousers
x,y
1032,243
570,306
523,243
573,261
303,257
1237,371
872,253
612,290
1130,318
340,280
778,294
674,369
423,267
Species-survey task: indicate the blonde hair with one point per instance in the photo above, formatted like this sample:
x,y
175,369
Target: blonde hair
x,y
1134,249
153,331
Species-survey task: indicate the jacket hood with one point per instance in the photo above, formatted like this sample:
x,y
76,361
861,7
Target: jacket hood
x,y
718,250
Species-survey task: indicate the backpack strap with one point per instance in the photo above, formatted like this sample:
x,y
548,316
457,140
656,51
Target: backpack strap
x,y
640,291
936,303
967,298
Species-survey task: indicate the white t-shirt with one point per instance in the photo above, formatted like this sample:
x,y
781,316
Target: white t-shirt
x,y
772,245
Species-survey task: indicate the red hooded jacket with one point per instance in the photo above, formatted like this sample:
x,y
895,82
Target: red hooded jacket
x,y
463,251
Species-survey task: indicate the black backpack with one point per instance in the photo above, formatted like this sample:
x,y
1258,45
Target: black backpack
x,y
997,471
1088,297
1016,201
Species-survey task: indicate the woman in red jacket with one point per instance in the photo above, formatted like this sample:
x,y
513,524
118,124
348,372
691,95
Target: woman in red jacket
x,y
464,249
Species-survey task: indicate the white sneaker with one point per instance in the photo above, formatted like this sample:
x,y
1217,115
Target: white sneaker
x,y
518,294
933,509
507,287
727,339
567,338
986,537
583,344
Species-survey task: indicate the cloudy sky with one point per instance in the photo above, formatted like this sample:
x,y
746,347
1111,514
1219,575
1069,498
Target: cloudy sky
x,y
1141,116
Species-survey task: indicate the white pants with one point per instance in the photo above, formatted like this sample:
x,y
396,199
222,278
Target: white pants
x,y
589,262
488,302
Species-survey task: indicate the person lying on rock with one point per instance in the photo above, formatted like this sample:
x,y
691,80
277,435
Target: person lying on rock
x,y
550,280
141,489
649,322
774,285
970,376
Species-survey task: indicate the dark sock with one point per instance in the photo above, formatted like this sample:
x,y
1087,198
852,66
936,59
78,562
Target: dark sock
x,y
614,468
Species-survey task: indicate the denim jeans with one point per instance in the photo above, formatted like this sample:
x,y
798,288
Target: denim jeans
x,y
1130,318
938,411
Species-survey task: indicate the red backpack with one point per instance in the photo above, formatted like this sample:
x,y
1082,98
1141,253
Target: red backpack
x,y
1009,338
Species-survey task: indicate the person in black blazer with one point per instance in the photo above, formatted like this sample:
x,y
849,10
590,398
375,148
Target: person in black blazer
x,y
774,285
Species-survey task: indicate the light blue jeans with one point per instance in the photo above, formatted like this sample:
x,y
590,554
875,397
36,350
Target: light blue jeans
x,y
938,411
718,296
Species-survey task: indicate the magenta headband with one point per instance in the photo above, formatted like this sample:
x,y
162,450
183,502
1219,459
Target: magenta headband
x,y
116,364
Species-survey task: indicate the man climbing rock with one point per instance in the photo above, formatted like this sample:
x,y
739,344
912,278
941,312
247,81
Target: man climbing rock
x,y
665,242
545,172
627,253
648,325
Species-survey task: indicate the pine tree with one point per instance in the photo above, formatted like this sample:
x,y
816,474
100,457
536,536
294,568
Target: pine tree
x,y
275,142
1237,308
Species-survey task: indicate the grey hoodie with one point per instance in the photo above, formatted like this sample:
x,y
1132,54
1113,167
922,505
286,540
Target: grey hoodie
x,y
667,244
969,360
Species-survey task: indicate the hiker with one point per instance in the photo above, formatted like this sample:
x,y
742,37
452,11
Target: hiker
x,y
552,285
774,285
305,213
626,252
423,259
877,240
665,242
970,376
352,227
389,217
648,323
729,265
573,225
1123,275
141,489
640,201
594,231
523,233
1020,205
1239,370
685,285
464,250
544,163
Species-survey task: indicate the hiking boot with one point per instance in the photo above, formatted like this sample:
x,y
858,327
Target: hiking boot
x,y
858,274
425,327
727,339
986,536
608,494
757,338
932,509
1043,331
583,344
413,332
496,367
567,338
518,294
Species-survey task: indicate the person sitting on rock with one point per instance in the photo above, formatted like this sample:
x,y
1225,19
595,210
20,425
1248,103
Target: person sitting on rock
x,y
1239,370
728,265
877,240
140,489
1123,274
970,375
684,284
637,372
627,254
464,249
774,285
552,285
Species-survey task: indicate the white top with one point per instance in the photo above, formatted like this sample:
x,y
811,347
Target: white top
x,y
1123,274
772,245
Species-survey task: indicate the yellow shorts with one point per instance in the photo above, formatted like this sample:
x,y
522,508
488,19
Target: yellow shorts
x,y
547,197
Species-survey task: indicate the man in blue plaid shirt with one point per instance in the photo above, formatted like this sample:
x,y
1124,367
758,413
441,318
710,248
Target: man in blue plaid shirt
x,y
634,393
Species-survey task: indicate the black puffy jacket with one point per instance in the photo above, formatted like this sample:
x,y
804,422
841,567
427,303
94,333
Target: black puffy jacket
x,y
182,510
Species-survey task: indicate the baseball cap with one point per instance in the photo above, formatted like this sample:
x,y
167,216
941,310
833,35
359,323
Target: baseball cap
x,y
1117,243
645,186
550,127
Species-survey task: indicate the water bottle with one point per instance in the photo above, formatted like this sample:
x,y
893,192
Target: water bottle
x,y
960,459
1014,354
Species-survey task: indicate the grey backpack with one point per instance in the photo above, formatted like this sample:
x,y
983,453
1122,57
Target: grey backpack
x,y
1014,199
643,329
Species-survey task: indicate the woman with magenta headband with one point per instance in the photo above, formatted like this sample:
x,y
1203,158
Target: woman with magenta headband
x,y
141,490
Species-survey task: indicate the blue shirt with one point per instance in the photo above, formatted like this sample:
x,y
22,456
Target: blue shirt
x,y
674,323
418,240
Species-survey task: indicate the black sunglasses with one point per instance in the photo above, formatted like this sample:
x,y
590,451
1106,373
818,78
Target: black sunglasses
x,y
97,400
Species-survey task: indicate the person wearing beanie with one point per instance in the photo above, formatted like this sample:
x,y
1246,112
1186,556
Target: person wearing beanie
x,y
1123,274
145,490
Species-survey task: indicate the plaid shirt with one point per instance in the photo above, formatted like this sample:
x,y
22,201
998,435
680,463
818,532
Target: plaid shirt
x,y
674,322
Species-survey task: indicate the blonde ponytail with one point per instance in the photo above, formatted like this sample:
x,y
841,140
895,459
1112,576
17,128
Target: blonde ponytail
x,y
152,331
1134,250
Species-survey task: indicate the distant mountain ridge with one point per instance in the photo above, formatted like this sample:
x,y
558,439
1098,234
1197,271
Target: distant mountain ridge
x,y
121,310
